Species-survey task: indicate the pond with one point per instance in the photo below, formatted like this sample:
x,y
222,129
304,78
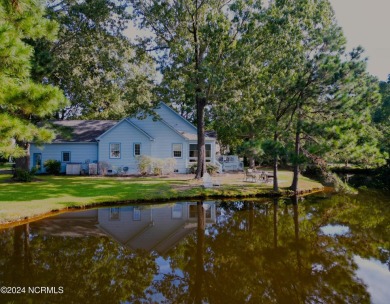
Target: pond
x,y
317,249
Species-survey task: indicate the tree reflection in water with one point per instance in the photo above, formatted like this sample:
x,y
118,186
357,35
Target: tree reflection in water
x,y
252,252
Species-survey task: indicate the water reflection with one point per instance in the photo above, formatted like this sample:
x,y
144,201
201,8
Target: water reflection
x,y
278,251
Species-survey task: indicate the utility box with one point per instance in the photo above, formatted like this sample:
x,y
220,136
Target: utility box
x,y
92,169
73,169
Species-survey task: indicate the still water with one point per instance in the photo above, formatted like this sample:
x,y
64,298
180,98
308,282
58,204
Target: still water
x,y
317,249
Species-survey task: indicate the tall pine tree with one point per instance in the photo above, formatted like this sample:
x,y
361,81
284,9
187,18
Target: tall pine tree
x,y
23,102
193,40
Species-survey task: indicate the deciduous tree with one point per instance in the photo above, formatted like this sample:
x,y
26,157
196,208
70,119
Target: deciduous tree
x,y
93,61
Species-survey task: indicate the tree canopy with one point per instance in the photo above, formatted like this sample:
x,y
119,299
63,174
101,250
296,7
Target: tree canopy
x,y
193,41
93,62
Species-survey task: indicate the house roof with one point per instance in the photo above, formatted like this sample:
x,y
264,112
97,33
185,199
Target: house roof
x,y
162,104
91,130
191,136
81,130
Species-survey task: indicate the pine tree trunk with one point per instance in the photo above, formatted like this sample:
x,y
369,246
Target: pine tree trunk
x,y
275,167
251,162
294,185
201,168
24,161
199,99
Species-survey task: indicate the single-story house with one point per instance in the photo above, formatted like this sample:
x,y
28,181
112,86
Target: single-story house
x,y
118,143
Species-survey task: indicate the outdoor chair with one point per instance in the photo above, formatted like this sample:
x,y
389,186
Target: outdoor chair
x,y
250,175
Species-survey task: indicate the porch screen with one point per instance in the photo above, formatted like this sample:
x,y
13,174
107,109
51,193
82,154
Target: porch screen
x,y
194,150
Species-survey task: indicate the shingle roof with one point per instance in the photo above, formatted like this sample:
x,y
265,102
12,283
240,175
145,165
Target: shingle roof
x,y
80,130
191,136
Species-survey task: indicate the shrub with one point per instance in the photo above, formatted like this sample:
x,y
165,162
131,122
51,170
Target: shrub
x,y
22,175
144,164
210,168
103,167
52,166
169,165
159,166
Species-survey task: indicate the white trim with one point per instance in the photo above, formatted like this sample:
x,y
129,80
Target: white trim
x,y
181,150
130,123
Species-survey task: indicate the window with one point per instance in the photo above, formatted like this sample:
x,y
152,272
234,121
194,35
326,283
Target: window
x,y
208,150
177,150
65,157
114,214
115,150
136,214
194,150
137,149
177,211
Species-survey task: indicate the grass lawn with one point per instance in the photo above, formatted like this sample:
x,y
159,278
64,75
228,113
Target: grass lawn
x,y
6,166
50,193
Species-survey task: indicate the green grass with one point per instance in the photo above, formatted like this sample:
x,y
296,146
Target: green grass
x,y
48,193
6,166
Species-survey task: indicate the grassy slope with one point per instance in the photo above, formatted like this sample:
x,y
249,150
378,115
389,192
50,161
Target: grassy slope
x,y
21,200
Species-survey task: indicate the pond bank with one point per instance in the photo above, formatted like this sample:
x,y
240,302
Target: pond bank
x,y
50,194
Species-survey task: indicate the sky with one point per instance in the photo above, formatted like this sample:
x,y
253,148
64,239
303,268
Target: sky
x,y
366,23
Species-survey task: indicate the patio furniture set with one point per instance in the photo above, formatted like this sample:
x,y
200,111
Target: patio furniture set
x,y
254,176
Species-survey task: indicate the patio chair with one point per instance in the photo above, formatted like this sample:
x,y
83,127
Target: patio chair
x,y
250,175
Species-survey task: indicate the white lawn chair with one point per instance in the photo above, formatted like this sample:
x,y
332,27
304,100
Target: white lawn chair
x,y
250,175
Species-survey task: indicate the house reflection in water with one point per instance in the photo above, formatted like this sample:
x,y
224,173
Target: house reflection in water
x,y
152,228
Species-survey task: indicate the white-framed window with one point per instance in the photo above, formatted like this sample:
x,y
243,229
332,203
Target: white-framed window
x,y
65,156
177,150
137,149
115,150
193,152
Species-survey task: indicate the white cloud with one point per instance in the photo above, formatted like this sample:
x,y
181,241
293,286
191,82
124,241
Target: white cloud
x,y
377,278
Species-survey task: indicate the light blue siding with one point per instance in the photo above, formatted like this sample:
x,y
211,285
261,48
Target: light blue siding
x,y
164,137
155,229
126,135
80,152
